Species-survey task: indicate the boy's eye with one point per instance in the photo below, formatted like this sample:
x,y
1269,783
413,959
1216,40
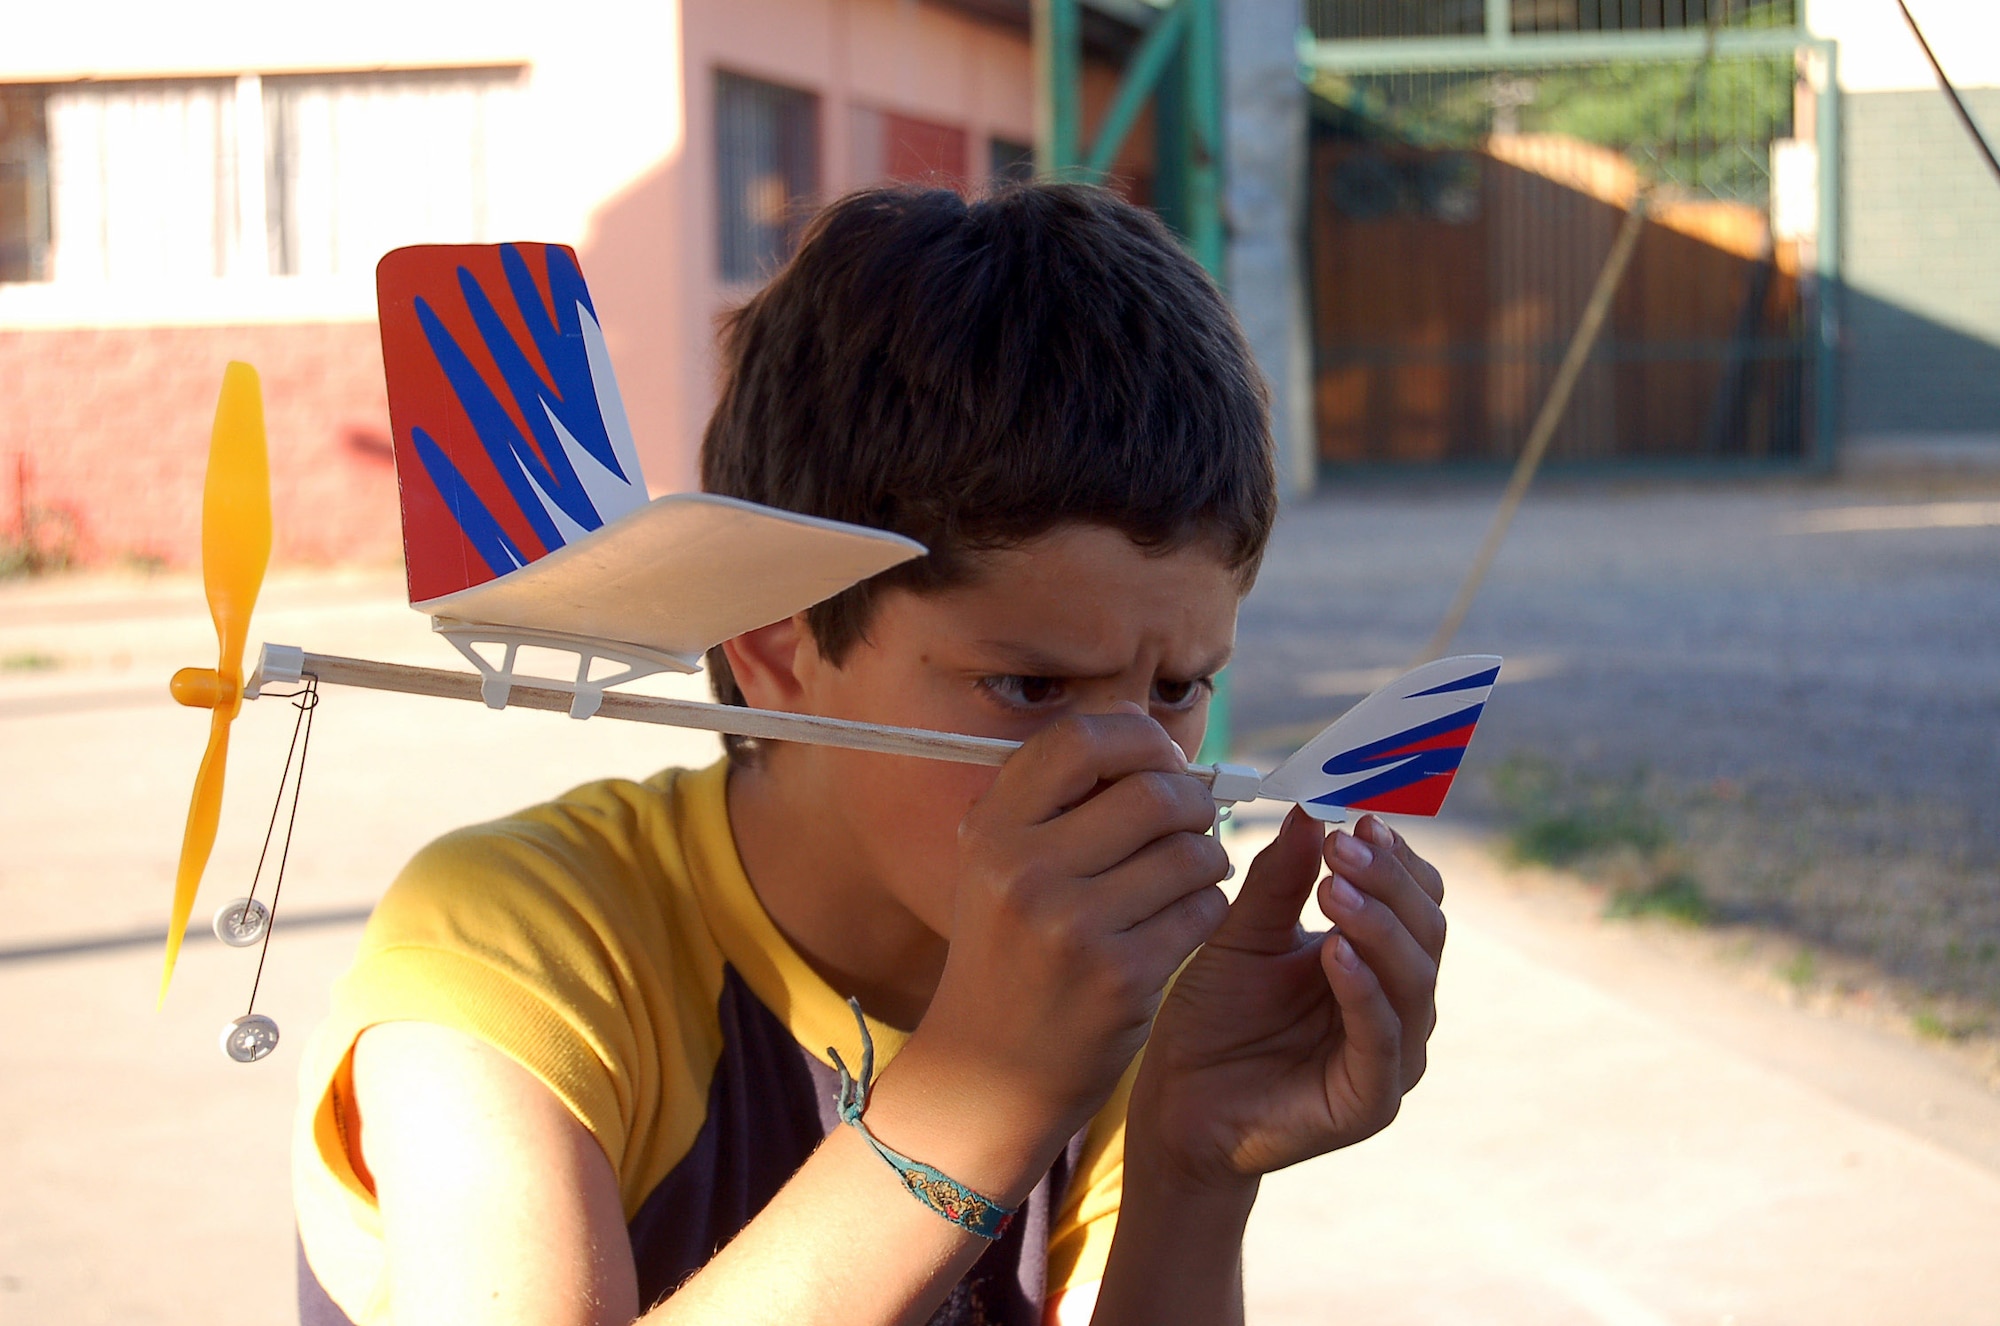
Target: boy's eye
x,y
1181,694
1024,692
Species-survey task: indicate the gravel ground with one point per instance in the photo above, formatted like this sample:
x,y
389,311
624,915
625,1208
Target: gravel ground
x,y
1801,680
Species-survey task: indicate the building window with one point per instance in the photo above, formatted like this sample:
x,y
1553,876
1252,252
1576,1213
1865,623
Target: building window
x,y
24,184
888,146
142,180
1012,162
767,170
358,164
147,181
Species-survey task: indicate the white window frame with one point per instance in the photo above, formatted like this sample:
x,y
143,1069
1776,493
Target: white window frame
x,y
243,288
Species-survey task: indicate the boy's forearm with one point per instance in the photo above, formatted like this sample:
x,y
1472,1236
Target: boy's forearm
x,y
460,1138
1178,1254
839,1243
843,1241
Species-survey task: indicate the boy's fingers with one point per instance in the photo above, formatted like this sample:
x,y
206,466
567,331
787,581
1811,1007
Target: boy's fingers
x,y
1404,968
1124,818
1060,766
1265,916
1156,877
1379,872
1423,872
1367,1074
1395,922
1177,930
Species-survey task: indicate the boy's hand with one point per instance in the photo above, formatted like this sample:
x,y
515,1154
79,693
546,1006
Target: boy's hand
x,y
1277,1045
1086,877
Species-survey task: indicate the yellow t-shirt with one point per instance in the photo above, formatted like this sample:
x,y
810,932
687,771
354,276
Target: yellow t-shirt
x,y
610,943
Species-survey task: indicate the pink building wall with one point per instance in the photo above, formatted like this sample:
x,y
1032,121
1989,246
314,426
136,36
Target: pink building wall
x,y
109,429
651,252
613,151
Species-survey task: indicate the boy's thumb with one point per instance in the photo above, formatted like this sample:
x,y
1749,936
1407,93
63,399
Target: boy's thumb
x,y
1265,915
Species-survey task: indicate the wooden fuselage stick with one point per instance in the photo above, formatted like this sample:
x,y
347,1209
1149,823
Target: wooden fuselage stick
x,y
766,724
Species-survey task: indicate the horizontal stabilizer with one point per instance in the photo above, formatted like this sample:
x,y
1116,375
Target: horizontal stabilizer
x,y
1397,751
679,575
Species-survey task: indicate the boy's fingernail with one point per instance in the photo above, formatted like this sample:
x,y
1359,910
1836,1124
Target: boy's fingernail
x,y
1345,895
1379,831
1344,954
1351,850
1231,872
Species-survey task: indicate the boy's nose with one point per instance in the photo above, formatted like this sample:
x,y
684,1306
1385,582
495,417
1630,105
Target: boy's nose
x,y
1113,701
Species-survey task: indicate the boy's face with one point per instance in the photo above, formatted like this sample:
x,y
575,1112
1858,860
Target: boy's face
x,y
1078,621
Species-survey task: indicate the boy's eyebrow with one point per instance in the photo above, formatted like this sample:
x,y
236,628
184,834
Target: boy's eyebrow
x,y
1029,661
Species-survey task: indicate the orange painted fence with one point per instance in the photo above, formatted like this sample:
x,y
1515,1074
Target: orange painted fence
x,y
1447,283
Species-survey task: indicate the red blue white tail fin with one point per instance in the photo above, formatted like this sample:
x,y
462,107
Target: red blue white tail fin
x,y
511,440
1397,751
525,516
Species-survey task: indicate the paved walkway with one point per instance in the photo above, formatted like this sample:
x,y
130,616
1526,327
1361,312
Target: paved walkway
x,y
1606,1135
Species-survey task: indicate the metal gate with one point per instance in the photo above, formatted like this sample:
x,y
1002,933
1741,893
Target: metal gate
x,y
1473,159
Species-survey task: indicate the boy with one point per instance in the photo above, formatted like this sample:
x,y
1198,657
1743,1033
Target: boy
x,y
585,1065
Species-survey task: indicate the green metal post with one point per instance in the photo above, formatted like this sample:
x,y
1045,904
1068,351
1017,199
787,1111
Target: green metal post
x,y
1826,344
1204,121
1170,141
1057,30
1156,52
1201,115
1499,22
1537,50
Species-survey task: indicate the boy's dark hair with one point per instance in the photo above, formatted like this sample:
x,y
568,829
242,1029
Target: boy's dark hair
x,y
975,374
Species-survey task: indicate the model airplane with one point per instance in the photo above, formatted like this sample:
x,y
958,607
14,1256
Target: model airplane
x,y
526,523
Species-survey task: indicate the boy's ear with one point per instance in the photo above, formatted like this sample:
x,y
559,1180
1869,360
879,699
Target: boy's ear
x,y
766,663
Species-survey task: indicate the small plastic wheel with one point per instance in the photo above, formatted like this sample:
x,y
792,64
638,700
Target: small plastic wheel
x,y
249,1038
241,922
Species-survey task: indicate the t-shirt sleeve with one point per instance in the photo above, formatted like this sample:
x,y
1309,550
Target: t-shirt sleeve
x,y
495,933
518,934
1080,1238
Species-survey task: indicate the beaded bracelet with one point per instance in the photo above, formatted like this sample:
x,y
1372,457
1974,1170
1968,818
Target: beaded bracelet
x,y
943,1194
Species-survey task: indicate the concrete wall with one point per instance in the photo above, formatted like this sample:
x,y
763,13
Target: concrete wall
x,y
1265,165
1922,258
1921,217
1877,53
657,238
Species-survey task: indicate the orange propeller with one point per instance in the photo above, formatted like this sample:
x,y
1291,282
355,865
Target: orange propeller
x,y
235,549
